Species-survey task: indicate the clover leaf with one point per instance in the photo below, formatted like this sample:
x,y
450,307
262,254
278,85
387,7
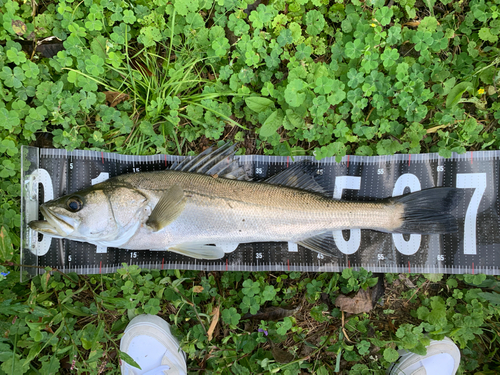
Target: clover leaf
x,y
17,57
355,78
128,16
9,119
12,78
384,15
324,85
8,146
263,15
284,326
338,94
31,69
220,46
303,51
93,23
268,293
237,25
285,37
95,65
422,40
273,60
183,7
231,316
389,57
353,50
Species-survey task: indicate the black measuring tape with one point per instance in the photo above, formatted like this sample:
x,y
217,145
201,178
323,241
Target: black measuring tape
x,y
50,173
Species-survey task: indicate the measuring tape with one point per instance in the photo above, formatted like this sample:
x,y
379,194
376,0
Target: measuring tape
x,y
475,248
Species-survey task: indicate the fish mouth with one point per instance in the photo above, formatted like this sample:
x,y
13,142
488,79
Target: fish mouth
x,y
56,224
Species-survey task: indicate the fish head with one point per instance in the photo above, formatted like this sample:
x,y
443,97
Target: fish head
x,y
99,213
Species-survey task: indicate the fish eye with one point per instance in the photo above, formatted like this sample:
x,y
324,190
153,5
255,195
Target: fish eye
x,y
74,204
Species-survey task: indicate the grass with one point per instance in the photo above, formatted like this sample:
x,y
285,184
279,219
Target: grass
x,y
240,322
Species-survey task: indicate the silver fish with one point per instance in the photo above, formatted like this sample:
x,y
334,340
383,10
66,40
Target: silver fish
x,y
201,215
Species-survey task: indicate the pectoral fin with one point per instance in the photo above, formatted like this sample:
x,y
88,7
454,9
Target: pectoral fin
x,y
168,208
198,251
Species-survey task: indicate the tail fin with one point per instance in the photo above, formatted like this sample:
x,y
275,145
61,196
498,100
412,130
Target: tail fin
x,y
429,211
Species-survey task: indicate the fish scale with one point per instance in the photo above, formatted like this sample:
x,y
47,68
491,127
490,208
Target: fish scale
x,y
228,211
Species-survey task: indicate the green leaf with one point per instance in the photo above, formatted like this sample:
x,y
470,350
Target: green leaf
x,y
128,16
338,94
263,15
315,22
125,357
272,124
74,311
428,24
17,57
383,15
293,92
221,46
317,313
231,316
8,146
6,248
284,326
93,23
363,347
434,277
98,46
492,297
324,85
295,119
14,365
389,57
303,51
486,35
269,293
391,355
51,366
354,50
94,65
258,104
31,69
456,93
285,37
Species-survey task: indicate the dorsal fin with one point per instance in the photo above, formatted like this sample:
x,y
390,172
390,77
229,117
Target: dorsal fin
x,y
220,162
302,175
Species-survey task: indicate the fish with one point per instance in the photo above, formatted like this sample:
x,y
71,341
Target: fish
x,y
205,206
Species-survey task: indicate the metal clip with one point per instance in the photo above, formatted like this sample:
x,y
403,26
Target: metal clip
x,y
31,187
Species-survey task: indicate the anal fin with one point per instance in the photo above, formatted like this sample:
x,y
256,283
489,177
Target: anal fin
x,y
322,243
198,250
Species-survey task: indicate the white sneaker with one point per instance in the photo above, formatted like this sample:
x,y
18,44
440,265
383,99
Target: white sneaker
x,y
148,340
442,358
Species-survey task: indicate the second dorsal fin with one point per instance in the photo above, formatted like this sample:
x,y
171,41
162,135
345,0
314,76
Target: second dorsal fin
x,y
302,175
220,162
